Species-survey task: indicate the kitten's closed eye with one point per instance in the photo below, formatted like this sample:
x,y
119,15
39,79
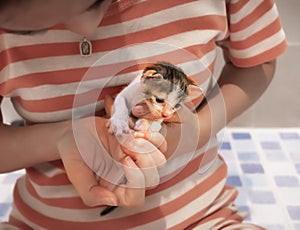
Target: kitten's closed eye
x,y
159,100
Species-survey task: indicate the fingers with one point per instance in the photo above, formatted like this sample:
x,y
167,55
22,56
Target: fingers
x,y
155,138
86,184
79,168
76,162
133,194
147,157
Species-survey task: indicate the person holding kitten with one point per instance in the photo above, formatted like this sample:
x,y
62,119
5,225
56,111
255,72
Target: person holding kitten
x,y
47,50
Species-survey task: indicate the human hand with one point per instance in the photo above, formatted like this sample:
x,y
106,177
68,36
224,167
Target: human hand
x,y
78,150
87,148
144,147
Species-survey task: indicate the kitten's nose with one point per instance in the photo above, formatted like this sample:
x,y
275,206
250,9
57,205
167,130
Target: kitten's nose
x,y
167,111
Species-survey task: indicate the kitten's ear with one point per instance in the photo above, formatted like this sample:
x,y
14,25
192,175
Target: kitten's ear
x,y
195,96
151,74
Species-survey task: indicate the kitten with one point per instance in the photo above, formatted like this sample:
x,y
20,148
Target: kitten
x,y
163,86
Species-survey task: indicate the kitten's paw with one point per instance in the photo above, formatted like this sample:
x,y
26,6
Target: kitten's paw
x,y
118,127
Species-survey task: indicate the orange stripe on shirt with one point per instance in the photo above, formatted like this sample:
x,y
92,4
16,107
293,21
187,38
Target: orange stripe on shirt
x,y
248,20
41,179
236,6
261,35
43,78
261,58
72,202
66,102
140,9
17,223
223,202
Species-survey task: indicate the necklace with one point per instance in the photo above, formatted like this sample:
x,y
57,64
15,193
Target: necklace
x,y
85,47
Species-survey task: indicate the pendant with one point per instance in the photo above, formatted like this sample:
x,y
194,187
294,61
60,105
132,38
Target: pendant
x,y
85,47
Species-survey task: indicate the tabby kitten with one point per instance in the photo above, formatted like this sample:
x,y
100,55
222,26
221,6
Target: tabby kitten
x,y
163,86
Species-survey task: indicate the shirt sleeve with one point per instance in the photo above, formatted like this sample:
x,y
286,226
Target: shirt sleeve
x,y
255,34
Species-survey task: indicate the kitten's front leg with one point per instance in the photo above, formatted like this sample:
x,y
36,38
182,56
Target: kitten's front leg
x,y
118,123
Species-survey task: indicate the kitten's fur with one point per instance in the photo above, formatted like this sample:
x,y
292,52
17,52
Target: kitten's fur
x,y
163,86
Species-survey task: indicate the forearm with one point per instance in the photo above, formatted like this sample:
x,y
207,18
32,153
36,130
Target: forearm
x,y
22,147
237,90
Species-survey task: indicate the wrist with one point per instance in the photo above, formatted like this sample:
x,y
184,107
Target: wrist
x,y
63,138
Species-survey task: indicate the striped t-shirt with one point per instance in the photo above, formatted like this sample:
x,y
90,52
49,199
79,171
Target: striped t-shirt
x,y
47,80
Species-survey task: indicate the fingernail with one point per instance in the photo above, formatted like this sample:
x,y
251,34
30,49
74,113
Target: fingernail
x,y
129,161
139,134
109,201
